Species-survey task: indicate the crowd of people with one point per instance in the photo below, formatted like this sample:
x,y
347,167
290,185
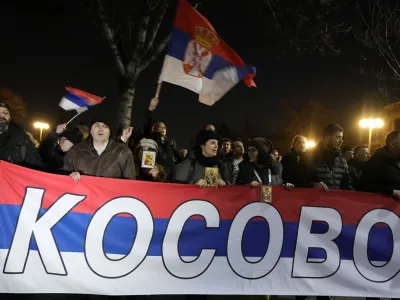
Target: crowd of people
x,y
93,150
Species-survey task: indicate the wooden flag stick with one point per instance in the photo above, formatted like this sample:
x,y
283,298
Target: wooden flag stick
x,y
158,89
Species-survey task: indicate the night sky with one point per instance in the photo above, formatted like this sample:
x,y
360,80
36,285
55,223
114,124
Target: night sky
x,y
46,45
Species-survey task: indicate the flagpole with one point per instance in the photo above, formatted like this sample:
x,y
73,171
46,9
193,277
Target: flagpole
x,y
158,89
72,119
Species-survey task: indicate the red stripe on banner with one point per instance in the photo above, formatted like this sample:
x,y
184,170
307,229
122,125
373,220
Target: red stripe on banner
x,y
162,199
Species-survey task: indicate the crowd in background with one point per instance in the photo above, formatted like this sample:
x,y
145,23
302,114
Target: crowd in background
x,y
95,151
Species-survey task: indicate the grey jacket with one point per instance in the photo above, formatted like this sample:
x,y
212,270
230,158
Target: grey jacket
x,y
191,171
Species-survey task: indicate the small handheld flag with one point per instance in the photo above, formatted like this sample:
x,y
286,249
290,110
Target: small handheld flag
x,y
79,100
199,60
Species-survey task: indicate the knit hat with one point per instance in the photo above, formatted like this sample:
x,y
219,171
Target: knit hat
x,y
100,120
206,135
261,144
74,136
148,143
5,105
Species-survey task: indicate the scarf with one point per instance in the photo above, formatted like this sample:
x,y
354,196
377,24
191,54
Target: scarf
x,y
208,162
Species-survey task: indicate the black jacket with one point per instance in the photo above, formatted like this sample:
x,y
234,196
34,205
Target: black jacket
x,y
16,147
329,167
246,173
356,168
51,153
168,153
228,161
295,169
381,173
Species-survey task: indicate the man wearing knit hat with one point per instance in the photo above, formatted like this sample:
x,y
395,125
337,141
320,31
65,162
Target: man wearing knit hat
x,y
15,145
100,156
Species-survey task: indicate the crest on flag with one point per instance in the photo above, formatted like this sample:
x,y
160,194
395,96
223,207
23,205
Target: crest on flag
x,y
198,53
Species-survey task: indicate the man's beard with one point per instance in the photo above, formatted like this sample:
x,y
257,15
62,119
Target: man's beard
x,y
3,125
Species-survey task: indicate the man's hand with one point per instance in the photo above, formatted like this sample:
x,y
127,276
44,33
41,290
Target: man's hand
x,y
289,186
321,186
255,184
126,134
220,183
61,128
201,183
75,176
153,104
154,172
396,194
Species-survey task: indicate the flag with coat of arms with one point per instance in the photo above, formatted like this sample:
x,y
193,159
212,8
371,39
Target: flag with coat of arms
x,y
199,60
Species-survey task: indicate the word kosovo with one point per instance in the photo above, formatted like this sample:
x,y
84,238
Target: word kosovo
x,y
28,224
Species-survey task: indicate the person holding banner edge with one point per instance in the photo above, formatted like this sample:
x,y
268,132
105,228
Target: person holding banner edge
x,y
100,156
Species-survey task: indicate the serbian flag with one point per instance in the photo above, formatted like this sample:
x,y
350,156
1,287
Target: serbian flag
x,y
79,100
199,60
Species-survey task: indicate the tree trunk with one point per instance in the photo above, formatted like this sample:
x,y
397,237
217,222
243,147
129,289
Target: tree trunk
x,y
125,104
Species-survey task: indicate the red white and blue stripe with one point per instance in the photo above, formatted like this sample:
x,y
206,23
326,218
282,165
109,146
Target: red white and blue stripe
x,y
199,60
78,100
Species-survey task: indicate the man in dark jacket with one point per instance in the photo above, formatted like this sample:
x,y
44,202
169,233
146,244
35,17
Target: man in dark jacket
x,y
294,167
357,165
382,172
327,168
15,145
56,145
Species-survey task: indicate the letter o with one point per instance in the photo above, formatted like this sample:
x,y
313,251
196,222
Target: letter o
x,y
360,251
236,259
97,261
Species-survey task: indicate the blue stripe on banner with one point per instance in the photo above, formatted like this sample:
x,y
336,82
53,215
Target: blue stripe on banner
x,y
70,232
177,48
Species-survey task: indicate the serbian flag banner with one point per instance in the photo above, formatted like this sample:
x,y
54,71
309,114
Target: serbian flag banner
x,y
79,100
199,60
127,237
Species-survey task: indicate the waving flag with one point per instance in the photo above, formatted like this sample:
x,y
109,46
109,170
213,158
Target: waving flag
x,y
78,100
199,60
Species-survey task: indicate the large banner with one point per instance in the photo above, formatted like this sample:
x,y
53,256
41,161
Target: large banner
x,y
120,237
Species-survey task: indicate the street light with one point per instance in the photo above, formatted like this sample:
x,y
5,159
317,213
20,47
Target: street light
x,y
371,124
310,144
41,126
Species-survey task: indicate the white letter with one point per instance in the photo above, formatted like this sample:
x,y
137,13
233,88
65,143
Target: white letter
x,y
97,260
305,240
29,224
239,264
171,258
360,254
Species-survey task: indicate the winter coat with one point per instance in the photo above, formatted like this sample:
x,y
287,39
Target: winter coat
x,y
295,169
168,153
228,161
51,154
247,173
381,173
356,167
191,171
115,162
17,148
329,167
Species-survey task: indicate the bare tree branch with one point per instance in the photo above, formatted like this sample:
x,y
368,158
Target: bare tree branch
x,y
155,54
156,27
110,37
140,43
